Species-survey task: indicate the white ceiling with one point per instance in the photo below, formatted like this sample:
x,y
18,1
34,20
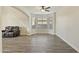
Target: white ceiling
x,y
30,9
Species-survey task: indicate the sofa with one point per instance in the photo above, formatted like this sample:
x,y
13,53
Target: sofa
x,y
11,31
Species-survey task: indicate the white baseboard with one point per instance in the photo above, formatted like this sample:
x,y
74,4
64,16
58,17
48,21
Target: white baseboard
x,y
67,42
41,33
37,33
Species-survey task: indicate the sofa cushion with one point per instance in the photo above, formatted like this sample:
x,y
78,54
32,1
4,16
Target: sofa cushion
x,y
8,28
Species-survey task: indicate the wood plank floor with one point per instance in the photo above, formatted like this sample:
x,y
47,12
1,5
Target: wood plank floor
x,y
37,43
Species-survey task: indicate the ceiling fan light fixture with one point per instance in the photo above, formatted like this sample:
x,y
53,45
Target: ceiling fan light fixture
x,y
45,8
42,10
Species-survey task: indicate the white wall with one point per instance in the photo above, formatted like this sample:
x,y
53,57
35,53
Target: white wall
x,y
67,25
14,17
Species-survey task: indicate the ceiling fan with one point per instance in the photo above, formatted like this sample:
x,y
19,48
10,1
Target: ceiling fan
x,y
45,8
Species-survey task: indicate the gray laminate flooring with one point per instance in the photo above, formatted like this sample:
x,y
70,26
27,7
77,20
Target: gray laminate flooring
x,y
36,43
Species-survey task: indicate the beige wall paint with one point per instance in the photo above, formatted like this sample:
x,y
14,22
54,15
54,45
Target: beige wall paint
x,y
14,17
0,31
31,9
67,25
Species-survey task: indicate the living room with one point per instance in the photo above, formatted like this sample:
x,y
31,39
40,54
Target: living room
x,y
18,18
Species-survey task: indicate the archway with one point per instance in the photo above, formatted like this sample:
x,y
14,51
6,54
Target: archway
x,y
12,16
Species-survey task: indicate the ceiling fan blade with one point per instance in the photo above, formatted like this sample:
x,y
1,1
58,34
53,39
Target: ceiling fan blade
x,y
47,8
